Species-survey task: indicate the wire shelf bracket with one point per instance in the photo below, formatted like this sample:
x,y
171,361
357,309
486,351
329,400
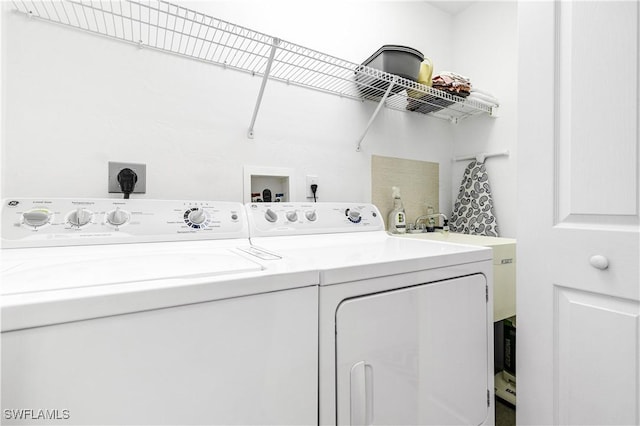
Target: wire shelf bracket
x,y
265,78
375,113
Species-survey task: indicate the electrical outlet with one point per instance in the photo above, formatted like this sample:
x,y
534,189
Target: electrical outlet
x,y
312,180
139,169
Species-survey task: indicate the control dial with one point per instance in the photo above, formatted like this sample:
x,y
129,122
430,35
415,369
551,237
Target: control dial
x,y
36,217
270,215
353,215
292,216
80,217
117,217
197,216
311,215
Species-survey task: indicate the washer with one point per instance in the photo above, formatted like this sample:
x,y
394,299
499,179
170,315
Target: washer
x,y
151,312
405,326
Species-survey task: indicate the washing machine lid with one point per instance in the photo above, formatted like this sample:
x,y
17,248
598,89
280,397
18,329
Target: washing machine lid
x,y
49,286
51,269
351,257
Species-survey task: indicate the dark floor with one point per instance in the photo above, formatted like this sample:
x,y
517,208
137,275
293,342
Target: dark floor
x,y
505,413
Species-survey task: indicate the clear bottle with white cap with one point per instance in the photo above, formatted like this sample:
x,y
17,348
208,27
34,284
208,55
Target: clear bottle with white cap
x,y
397,223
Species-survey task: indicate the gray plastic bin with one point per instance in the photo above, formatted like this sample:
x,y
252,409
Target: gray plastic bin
x,y
399,60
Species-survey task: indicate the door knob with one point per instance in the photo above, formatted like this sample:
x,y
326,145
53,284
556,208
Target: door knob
x,y
599,262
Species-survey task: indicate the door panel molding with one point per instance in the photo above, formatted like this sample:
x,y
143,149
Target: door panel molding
x,y
596,123
595,354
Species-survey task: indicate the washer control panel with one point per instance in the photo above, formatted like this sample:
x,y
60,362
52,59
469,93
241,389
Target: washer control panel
x,y
31,222
271,219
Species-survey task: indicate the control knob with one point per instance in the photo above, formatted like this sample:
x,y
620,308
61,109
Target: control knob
x,y
117,217
311,215
353,215
292,216
197,216
36,217
80,217
270,215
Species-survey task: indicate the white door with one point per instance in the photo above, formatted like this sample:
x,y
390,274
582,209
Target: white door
x,y
578,295
414,356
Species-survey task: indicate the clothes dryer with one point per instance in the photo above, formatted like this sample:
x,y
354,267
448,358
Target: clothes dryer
x,y
405,326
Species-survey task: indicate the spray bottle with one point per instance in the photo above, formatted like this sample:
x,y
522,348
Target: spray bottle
x,y
397,220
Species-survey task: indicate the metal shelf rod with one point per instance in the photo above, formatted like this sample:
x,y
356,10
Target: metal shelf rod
x,y
481,156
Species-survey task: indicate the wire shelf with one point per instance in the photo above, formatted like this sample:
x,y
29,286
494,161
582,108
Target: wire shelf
x,y
167,27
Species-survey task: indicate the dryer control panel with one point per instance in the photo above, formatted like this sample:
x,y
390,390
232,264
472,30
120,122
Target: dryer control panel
x,y
31,222
275,219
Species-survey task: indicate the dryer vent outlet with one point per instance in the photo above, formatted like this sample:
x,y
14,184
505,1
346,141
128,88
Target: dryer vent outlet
x,y
140,170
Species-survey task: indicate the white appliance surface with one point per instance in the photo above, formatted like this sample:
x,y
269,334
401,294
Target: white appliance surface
x,y
405,325
47,269
344,248
418,358
151,312
135,265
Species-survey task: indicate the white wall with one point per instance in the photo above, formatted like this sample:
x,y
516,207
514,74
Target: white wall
x,y
486,50
74,101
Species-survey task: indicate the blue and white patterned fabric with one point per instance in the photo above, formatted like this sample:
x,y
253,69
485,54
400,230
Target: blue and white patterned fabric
x,y
473,209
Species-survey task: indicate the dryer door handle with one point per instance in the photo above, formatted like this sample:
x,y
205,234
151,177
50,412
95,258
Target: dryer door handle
x,y
361,394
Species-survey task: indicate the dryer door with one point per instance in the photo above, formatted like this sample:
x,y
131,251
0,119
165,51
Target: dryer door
x,y
415,356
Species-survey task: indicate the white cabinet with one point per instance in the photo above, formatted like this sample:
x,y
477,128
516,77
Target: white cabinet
x,y
414,356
